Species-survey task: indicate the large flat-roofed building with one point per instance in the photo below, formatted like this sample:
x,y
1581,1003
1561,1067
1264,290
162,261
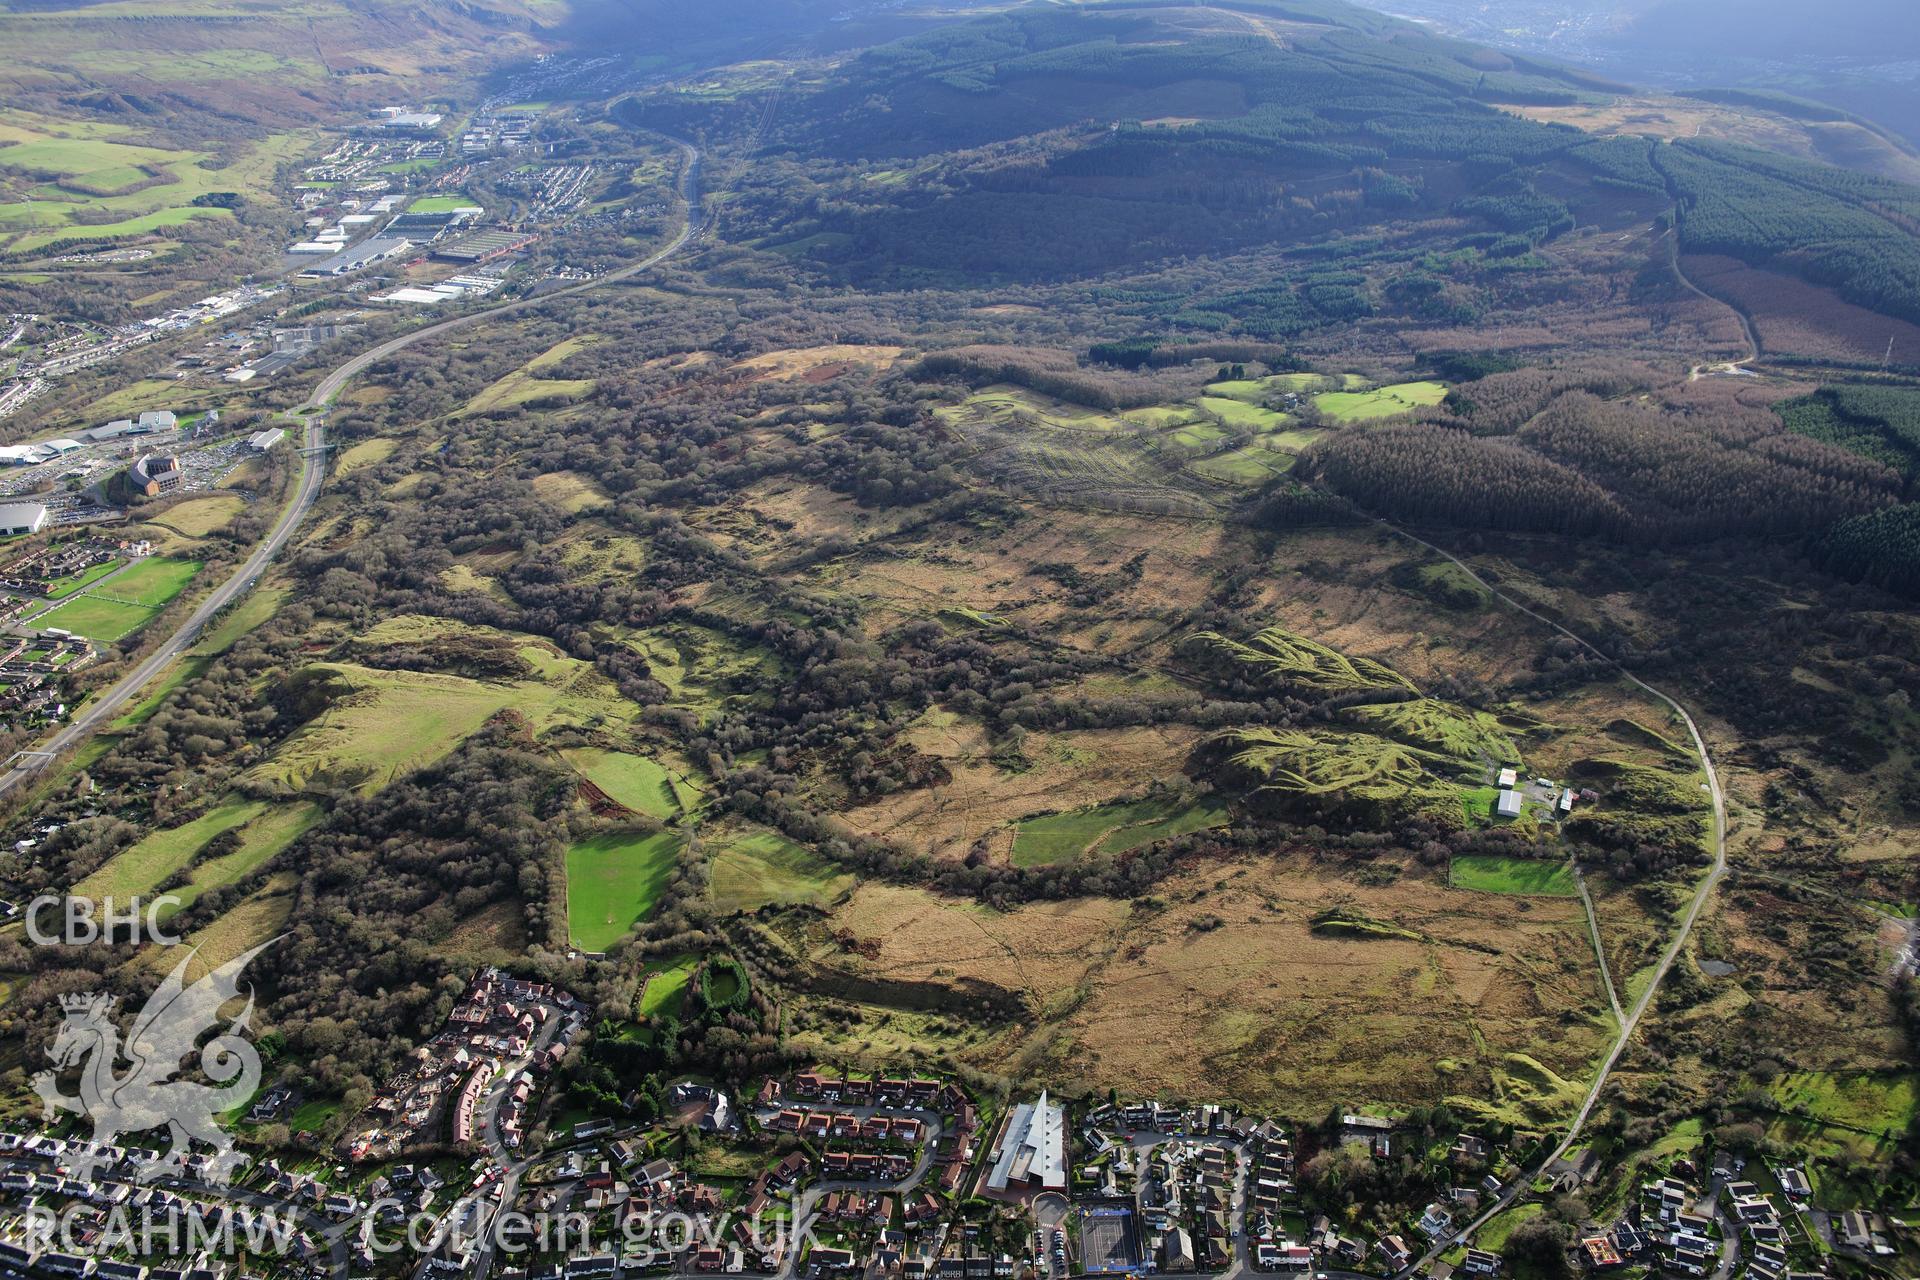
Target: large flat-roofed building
x,y
17,518
480,246
361,256
261,441
1033,1149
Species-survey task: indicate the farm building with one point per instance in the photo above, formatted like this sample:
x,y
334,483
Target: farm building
x,y
22,517
1509,804
1508,777
1033,1148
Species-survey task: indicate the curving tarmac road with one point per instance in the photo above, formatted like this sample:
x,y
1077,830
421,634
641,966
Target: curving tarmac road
x,y
1522,1181
24,764
103,708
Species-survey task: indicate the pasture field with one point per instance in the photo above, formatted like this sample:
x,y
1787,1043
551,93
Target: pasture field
x,y
1238,413
639,782
570,491
91,182
1524,877
158,854
262,838
1197,436
1381,402
755,869
1252,465
382,724
1198,817
366,453
1113,828
1867,1102
525,385
663,982
614,880
198,517
1161,416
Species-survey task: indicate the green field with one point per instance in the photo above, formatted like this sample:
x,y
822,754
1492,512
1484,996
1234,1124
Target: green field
x,y
1115,828
65,587
1208,813
440,204
1868,1101
665,982
152,582
764,868
93,185
1382,402
158,854
1252,465
262,838
102,621
107,611
1238,413
614,880
380,724
1525,877
641,783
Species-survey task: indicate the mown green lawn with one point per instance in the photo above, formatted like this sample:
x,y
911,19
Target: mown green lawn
x,y
153,582
64,587
614,880
100,620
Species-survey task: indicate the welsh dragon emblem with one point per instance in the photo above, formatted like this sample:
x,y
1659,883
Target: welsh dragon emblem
x,y
145,1095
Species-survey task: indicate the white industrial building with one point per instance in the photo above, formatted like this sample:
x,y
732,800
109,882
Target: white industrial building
x,y
17,518
1033,1148
261,441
